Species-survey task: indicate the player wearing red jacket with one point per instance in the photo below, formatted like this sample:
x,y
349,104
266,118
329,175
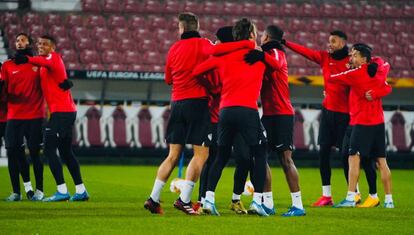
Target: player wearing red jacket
x,y
58,133
241,79
3,109
335,111
278,119
367,118
25,114
189,122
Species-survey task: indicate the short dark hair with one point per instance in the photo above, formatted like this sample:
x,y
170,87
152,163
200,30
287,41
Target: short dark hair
x,y
189,21
274,32
225,34
340,34
364,50
50,38
242,29
27,36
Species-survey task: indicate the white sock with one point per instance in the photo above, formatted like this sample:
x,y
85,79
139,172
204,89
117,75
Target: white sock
x,y
40,193
236,197
28,186
374,196
203,200
80,188
357,189
268,199
257,197
326,191
388,198
186,191
297,200
61,188
210,196
350,196
156,190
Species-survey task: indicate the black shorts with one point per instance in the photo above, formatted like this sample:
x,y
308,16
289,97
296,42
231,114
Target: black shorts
x,y
332,128
243,121
279,129
368,141
18,130
60,125
2,131
189,123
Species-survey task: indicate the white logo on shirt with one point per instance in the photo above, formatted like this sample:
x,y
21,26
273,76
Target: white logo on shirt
x,y
14,72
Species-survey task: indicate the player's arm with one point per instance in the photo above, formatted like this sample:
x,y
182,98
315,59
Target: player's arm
x,y
310,54
348,77
224,48
42,61
168,74
379,92
207,66
3,78
274,62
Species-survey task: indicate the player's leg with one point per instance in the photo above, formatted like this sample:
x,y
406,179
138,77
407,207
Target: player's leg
x,y
51,143
368,164
34,138
258,152
15,153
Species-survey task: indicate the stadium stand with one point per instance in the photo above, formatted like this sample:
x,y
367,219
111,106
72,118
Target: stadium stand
x,y
124,30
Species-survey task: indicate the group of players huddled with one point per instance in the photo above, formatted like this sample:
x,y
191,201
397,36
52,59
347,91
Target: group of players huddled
x,y
27,84
214,107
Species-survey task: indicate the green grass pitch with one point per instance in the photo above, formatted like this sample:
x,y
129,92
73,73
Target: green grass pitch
x,y
118,193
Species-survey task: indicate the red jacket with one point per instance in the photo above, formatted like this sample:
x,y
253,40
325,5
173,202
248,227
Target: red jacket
x,y
52,73
336,98
182,58
23,91
212,84
241,82
362,111
3,104
275,88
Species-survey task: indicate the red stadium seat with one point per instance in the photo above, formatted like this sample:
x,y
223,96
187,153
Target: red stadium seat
x,y
31,18
321,38
36,31
152,6
121,33
260,24
278,22
166,45
408,11
161,34
365,37
303,37
330,10
338,25
126,44
147,45
64,43
95,20
80,32
157,68
9,18
412,62
399,62
138,68
270,9
85,43
254,9
73,66
379,26
74,21
233,8
113,6
317,26
391,49
58,31
141,34
309,9
69,56
137,22
173,6
405,73
391,11
89,56
192,6
100,32
409,50
290,9
404,38
133,6
399,26
105,44
151,58
91,5
94,66
212,8
350,10
110,57
116,21
117,67
296,25
156,22
52,19
369,10
385,38
359,26
132,57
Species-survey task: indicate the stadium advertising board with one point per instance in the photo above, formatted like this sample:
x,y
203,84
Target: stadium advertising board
x,y
114,75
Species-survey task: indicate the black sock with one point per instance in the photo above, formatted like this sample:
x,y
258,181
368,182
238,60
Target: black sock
x,y
13,166
240,174
204,173
258,153
370,173
37,167
51,144
65,150
223,156
325,164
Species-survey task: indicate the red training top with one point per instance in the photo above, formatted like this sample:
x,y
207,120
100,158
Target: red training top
x,y
52,73
336,98
182,58
362,111
23,91
275,88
